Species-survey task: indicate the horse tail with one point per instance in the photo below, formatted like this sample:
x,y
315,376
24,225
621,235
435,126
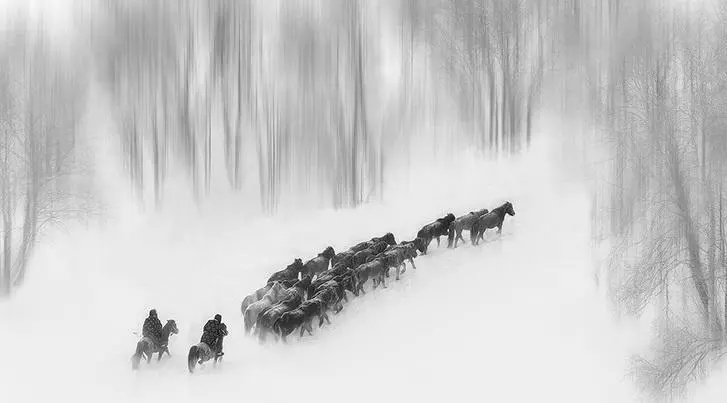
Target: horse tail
x,y
139,348
261,329
247,315
473,232
192,358
451,234
136,358
276,327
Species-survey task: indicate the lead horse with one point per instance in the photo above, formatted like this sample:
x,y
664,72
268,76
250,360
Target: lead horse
x,y
493,219
145,346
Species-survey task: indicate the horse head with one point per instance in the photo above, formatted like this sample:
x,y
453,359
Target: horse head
x,y
328,253
418,244
170,327
389,238
449,218
508,208
276,289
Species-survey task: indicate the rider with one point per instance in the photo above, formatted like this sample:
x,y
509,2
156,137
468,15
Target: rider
x,y
214,331
153,328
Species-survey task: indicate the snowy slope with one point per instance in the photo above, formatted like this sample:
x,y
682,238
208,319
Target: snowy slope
x,y
515,320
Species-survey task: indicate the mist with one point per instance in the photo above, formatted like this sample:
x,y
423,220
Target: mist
x,y
173,154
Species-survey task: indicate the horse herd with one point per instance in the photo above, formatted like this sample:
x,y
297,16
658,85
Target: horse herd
x,y
293,297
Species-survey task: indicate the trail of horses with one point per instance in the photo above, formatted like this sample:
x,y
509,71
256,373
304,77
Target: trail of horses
x,y
285,305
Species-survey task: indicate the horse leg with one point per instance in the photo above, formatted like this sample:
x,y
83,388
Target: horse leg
x,y
499,229
309,327
403,270
248,322
438,242
412,263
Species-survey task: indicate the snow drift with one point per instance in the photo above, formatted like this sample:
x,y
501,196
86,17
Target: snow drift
x,y
516,319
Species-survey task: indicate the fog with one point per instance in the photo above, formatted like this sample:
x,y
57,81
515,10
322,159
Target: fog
x,y
174,154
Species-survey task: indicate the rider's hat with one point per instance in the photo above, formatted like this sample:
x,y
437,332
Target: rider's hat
x,y
153,312
218,317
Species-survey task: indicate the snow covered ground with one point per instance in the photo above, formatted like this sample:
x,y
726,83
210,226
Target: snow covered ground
x,y
515,320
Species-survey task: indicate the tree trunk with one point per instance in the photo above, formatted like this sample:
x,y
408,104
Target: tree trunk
x,y
7,247
690,232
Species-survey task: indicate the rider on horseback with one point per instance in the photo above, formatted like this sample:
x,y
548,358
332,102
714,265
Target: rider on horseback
x,y
212,334
153,328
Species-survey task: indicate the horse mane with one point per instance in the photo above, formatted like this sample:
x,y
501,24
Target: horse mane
x,y
167,328
274,290
500,209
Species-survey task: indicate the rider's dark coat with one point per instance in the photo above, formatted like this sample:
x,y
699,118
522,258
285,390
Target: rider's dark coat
x,y
213,333
152,329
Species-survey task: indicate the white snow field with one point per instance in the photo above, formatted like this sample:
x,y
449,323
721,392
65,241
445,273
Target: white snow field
x,y
518,319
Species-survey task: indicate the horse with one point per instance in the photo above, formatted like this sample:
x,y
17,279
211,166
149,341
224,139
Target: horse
x,y
387,238
417,244
260,293
319,263
267,317
344,258
436,229
339,273
272,297
462,223
493,219
199,354
254,297
332,292
397,256
289,273
367,254
145,346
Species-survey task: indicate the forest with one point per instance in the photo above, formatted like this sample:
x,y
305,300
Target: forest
x,y
321,103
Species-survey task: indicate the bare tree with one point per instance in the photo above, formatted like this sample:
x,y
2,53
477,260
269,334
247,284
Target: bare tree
x,y
39,111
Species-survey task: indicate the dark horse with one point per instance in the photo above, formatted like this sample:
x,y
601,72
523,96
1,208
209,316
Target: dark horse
x,y
200,353
433,230
145,347
493,219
